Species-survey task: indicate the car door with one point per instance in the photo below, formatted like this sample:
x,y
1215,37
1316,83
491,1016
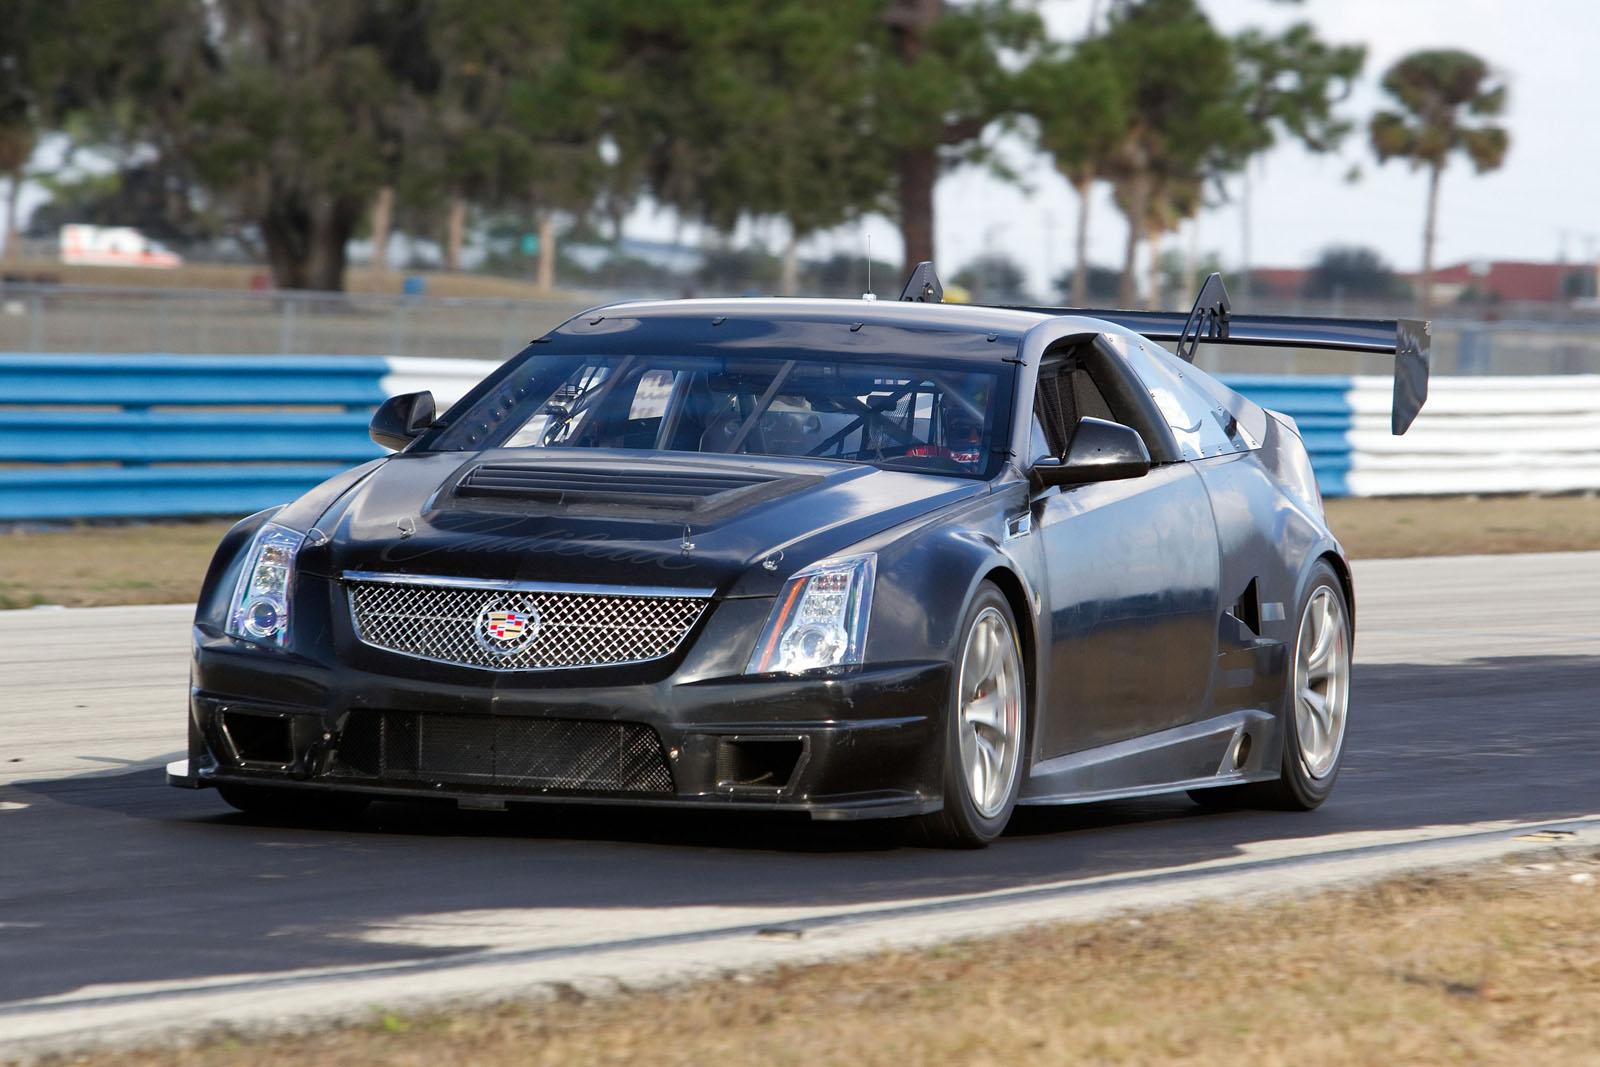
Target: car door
x,y
1132,572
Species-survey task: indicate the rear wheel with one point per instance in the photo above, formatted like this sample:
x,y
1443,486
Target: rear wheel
x,y
293,805
1317,706
985,730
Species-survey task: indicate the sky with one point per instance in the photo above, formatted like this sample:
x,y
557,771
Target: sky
x,y
1547,50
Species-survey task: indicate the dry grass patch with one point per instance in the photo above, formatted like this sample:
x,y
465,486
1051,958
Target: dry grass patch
x,y
158,563
1495,967
1390,527
161,563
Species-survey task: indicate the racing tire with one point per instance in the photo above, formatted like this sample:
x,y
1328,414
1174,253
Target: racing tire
x,y
293,805
1315,707
986,728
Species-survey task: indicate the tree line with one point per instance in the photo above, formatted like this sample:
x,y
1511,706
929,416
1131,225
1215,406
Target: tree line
x,y
296,124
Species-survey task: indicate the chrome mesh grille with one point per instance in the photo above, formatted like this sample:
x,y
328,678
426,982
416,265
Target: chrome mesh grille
x,y
454,624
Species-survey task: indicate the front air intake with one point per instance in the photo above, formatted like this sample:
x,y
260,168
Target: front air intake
x,y
502,752
757,764
257,737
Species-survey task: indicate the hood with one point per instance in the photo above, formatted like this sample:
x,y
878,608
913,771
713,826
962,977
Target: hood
x,y
616,517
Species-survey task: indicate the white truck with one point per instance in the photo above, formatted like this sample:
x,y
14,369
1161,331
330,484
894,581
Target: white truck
x,y
113,246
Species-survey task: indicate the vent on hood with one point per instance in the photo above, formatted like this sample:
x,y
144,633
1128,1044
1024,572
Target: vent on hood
x,y
655,488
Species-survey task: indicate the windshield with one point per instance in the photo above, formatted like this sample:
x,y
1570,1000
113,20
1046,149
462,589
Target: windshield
x,y
940,419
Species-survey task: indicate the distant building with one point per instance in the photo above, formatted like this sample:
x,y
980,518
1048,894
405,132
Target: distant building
x,y
1278,283
1509,281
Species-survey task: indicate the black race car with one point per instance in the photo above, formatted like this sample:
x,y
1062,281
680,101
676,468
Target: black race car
x,y
850,558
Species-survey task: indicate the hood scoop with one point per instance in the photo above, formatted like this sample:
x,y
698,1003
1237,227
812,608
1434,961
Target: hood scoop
x,y
646,488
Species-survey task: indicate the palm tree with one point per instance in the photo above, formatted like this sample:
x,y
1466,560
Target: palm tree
x,y
1185,124
16,147
1288,86
1440,94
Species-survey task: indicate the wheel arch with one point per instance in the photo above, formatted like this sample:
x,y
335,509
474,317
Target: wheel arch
x,y
1341,569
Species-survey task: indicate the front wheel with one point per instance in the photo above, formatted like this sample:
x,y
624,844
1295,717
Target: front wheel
x,y
985,728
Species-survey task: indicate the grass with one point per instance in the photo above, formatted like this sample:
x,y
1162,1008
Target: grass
x,y
1494,966
160,563
1388,527
157,563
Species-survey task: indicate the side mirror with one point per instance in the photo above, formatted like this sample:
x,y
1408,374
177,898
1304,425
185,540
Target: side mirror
x,y
401,419
1100,451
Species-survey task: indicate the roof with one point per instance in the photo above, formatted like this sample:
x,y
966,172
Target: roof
x,y
1007,322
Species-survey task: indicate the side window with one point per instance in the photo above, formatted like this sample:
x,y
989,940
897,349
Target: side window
x,y
1065,394
1200,427
1054,413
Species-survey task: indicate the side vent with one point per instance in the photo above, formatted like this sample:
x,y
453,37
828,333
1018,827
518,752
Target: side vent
x,y
1248,608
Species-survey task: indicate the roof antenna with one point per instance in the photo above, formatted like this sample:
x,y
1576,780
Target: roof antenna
x,y
869,294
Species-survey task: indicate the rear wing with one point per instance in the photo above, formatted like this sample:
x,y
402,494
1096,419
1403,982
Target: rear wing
x,y
1212,321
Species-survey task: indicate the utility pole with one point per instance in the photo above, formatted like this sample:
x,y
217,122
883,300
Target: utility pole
x,y
1244,231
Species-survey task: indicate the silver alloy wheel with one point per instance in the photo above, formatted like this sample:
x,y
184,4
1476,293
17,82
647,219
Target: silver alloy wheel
x,y
1321,683
990,698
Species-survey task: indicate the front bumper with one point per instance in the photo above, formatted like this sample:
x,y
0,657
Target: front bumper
x,y
859,745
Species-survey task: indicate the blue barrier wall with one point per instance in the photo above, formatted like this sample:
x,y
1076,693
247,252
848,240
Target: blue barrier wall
x,y
88,436
1320,406
134,436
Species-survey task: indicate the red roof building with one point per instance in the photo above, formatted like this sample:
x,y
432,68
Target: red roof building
x,y
1507,280
1281,283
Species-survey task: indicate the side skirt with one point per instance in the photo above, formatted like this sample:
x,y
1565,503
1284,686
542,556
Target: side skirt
x,y
1230,749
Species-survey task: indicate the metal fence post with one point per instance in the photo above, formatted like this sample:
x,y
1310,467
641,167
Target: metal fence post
x,y
1475,344
163,302
286,326
397,327
35,322
508,322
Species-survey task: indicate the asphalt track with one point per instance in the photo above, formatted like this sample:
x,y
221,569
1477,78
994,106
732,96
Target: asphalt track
x,y
128,909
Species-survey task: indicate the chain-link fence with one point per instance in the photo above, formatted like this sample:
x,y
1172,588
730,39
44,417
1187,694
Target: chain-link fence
x,y
228,322
44,318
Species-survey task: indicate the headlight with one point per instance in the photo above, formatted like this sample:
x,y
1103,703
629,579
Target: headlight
x,y
260,608
820,620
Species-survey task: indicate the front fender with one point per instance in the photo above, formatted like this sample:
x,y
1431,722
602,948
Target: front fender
x,y
302,514
928,575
